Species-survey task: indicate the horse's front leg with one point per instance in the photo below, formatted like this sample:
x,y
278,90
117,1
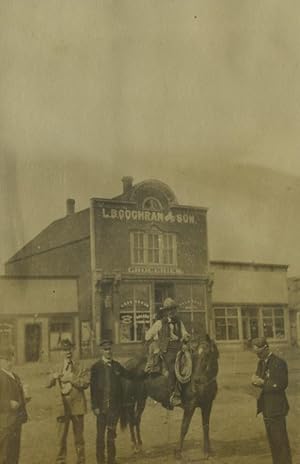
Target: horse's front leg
x,y
139,411
186,420
206,410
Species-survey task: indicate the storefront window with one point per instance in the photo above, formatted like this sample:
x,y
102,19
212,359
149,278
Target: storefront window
x,y
134,312
226,323
191,307
59,330
273,322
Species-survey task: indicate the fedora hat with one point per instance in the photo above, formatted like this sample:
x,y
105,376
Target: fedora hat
x,y
259,344
106,343
168,303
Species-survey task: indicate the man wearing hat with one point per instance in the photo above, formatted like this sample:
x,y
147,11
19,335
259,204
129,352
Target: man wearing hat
x,y
169,332
12,409
272,378
106,399
71,379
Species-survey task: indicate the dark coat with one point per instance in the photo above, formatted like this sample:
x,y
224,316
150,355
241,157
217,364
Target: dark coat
x,y
11,389
106,385
272,401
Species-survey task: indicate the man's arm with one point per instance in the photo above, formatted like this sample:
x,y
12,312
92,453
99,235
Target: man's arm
x,y
153,331
81,380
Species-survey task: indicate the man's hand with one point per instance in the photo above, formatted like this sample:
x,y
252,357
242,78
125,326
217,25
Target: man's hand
x,y
14,404
257,381
96,411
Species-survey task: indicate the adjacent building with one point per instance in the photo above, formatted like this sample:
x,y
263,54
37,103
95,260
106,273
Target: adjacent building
x,y
124,256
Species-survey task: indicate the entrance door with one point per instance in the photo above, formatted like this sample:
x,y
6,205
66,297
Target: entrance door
x,y
161,292
32,342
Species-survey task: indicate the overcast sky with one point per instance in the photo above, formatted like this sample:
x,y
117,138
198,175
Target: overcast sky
x,y
203,95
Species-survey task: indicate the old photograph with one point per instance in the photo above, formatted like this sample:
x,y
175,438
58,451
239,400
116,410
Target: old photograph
x,y
149,231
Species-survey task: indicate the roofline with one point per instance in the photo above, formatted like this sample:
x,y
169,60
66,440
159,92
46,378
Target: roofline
x,y
249,264
133,203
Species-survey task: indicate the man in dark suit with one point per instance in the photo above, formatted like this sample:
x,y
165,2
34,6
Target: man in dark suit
x,y
71,379
106,399
272,378
12,409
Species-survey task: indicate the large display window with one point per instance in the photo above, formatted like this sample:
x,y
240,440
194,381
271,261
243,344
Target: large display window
x,y
134,312
191,306
273,322
226,323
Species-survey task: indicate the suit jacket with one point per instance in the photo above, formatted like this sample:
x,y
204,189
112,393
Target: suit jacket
x,y
106,385
11,389
74,403
272,401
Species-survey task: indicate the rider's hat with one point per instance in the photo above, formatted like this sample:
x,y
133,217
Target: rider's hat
x,y
168,304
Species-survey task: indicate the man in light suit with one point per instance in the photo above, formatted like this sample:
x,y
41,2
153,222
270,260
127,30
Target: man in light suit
x,y
12,409
71,380
271,378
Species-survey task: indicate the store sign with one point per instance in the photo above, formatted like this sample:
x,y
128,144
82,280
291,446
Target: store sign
x,y
190,305
130,303
147,216
154,270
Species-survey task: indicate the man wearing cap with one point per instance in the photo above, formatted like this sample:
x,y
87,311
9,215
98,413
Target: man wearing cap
x,y
169,332
71,379
106,399
272,378
12,409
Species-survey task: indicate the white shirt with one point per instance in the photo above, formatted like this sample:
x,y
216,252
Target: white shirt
x,y
153,332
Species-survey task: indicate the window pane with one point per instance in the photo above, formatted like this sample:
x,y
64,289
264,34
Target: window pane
x,y
268,328
231,312
219,312
126,327
267,312
126,297
199,324
279,327
233,330
186,319
278,312
220,329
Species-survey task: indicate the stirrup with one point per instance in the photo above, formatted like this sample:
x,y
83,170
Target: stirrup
x,y
175,400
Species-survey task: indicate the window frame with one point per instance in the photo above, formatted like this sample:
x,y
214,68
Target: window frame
x,y
135,312
170,251
273,317
226,317
60,321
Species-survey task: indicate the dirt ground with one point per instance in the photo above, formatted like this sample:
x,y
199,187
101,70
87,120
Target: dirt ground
x,y
237,435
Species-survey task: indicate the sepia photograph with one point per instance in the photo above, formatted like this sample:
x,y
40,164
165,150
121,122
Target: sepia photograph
x,y
149,232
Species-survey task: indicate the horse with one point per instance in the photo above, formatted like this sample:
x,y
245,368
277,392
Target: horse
x,y
199,392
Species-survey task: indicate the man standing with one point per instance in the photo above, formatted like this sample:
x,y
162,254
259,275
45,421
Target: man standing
x,y
71,379
169,332
272,378
12,409
106,399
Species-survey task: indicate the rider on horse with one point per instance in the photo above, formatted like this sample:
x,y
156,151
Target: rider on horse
x,y
167,334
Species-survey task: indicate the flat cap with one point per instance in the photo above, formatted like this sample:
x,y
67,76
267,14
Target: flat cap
x,y
105,343
259,344
66,344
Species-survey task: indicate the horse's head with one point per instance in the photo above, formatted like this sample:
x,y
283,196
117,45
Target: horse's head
x,y
205,358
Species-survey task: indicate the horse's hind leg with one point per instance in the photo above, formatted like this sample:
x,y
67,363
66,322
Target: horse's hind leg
x,y
138,416
186,420
206,410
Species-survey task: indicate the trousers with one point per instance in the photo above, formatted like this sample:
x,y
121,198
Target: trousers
x,y
106,424
63,429
10,441
278,439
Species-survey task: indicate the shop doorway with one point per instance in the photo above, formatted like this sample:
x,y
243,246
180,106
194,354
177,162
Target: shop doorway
x,y
162,290
250,324
33,338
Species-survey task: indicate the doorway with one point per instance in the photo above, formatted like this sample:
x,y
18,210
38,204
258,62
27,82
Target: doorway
x,y
33,338
162,290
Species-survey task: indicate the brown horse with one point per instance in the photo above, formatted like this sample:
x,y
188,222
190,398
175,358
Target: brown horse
x,y
199,392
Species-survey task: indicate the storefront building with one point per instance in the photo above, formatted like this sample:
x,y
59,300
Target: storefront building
x,y
128,254
250,300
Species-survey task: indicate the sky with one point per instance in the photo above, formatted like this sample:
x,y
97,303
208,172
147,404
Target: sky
x,y
203,95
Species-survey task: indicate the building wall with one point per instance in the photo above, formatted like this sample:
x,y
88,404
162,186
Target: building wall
x,y
114,221
68,260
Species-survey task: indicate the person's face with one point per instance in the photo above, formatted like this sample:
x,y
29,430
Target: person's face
x,y
263,353
8,363
68,353
107,352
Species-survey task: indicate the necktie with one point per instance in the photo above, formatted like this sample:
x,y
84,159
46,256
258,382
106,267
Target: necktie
x,y
69,366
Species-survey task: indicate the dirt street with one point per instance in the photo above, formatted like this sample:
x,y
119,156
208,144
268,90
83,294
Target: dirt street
x,y
237,435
